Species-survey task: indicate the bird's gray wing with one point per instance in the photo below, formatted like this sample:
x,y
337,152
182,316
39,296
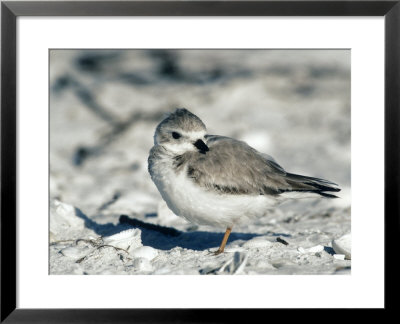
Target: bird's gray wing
x,y
232,166
272,161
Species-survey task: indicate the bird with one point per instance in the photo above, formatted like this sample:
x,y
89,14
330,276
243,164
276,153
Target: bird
x,y
218,180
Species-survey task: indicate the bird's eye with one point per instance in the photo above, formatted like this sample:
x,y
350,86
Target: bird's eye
x,y
176,135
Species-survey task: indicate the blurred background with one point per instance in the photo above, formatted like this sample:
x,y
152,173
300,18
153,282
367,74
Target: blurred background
x,y
105,105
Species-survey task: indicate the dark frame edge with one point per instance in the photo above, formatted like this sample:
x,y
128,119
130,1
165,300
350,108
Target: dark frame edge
x,y
10,314
8,267
392,148
203,8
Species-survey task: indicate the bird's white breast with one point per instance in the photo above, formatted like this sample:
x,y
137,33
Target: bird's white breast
x,y
203,206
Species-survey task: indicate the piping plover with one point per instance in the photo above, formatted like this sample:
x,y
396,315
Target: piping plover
x,y
217,180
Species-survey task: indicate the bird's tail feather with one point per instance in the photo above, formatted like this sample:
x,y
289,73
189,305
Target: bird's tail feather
x,y
311,184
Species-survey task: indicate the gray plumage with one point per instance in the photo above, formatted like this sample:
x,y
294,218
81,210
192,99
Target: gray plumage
x,y
231,166
182,120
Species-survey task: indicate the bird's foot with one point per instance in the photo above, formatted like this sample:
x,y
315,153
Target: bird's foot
x,y
218,252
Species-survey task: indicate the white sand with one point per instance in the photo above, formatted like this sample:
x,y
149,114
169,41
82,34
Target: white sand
x,y
293,105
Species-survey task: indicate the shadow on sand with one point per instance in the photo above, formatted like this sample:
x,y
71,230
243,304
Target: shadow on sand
x,y
166,238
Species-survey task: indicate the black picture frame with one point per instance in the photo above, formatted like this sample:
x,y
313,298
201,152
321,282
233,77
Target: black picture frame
x,y
10,10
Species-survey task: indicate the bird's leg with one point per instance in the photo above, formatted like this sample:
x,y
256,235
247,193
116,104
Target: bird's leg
x,y
224,240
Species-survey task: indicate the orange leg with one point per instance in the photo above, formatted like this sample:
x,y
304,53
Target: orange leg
x,y
224,240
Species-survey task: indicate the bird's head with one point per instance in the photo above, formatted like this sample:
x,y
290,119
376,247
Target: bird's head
x,y
181,132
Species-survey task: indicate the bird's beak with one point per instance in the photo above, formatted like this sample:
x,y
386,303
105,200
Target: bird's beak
x,y
201,146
